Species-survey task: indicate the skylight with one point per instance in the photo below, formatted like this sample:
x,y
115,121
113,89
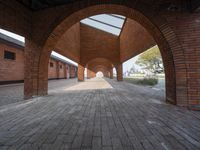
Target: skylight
x,y
111,23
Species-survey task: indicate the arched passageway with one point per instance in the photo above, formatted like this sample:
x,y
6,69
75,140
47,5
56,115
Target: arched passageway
x,y
99,64
44,33
99,74
101,113
156,26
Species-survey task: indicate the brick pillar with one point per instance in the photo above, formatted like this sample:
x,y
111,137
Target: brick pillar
x,y
35,71
119,69
111,73
90,74
31,69
80,72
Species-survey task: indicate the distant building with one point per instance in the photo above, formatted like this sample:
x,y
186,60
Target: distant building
x,y
12,63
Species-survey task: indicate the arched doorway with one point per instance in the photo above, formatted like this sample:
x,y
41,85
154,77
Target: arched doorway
x,y
99,74
157,27
99,64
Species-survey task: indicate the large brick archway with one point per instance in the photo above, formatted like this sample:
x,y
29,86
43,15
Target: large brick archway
x,y
172,53
103,69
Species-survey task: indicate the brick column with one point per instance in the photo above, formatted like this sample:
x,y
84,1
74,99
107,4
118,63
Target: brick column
x,y
111,73
31,56
119,70
90,74
80,72
35,71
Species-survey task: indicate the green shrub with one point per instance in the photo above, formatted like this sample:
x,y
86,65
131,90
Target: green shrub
x,y
144,81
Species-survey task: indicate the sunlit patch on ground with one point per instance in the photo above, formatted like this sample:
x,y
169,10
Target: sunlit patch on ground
x,y
91,84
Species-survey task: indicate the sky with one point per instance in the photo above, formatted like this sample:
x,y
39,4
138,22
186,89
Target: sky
x,y
129,63
13,35
113,20
108,19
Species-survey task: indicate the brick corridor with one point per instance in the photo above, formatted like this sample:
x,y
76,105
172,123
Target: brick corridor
x,y
114,116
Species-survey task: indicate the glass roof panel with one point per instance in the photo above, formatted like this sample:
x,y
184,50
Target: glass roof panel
x,y
107,22
101,26
109,19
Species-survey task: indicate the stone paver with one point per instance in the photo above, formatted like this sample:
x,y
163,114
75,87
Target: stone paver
x,y
114,116
13,93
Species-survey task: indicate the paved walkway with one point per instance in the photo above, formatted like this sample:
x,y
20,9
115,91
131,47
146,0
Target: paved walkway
x,y
13,93
114,116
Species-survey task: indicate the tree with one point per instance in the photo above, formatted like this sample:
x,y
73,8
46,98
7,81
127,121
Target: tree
x,y
151,60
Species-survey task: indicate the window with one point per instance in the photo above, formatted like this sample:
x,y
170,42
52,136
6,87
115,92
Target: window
x,y
51,64
9,55
60,66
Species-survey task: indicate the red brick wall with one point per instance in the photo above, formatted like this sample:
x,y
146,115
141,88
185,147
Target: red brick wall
x,y
69,44
90,73
134,39
15,17
57,72
187,29
97,43
61,70
52,71
98,64
11,69
73,71
67,71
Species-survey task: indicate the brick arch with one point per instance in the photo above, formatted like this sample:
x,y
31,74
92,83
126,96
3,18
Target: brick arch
x,y
157,26
102,61
103,69
100,72
97,63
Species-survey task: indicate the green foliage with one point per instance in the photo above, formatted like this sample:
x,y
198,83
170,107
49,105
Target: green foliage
x,y
151,60
144,81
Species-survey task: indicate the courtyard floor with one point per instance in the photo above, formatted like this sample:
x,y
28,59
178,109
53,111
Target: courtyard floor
x,y
98,114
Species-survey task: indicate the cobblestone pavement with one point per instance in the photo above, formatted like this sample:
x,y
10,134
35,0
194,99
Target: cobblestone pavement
x,y
13,93
114,116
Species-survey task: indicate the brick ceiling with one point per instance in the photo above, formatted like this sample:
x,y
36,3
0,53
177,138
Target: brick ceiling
x,y
191,5
42,4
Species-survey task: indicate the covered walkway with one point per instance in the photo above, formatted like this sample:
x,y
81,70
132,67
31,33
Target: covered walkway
x,y
99,114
